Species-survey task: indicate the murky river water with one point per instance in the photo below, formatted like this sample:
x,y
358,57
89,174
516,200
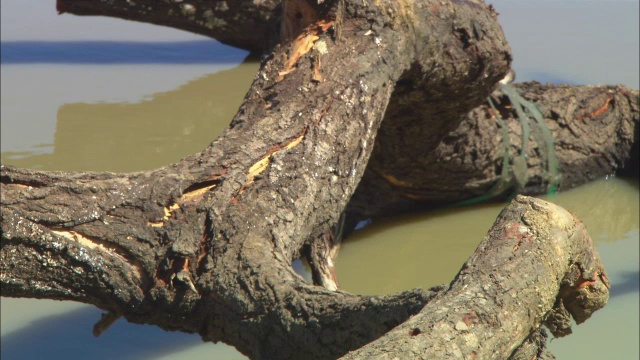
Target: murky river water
x,y
63,109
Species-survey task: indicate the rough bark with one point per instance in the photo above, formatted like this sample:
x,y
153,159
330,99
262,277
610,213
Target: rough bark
x,y
537,265
595,129
246,24
205,245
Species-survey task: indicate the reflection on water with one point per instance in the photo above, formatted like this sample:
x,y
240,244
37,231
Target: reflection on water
x,y
412,251
55,333
375,260
127,136
608,208
56,330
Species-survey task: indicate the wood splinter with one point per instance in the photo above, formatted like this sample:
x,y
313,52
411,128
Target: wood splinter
x,y
105,322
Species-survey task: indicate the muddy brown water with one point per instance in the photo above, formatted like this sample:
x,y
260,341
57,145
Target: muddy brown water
x,y
128,117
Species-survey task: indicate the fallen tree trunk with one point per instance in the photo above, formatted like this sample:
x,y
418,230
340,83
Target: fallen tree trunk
x,y
205,245
246,24
459,157
595,131
414,165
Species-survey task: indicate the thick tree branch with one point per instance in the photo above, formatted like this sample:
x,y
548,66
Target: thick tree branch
x,y
537,266
208,242
246,24
205,245
595,130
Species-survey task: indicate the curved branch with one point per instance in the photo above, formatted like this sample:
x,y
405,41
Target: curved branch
x,y
43,263
205,245
537,266
213,236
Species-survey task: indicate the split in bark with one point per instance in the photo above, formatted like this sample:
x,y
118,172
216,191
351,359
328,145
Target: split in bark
x,y
205,245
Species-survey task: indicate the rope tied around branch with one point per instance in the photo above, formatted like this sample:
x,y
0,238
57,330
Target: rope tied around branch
x,y
530,117
514,173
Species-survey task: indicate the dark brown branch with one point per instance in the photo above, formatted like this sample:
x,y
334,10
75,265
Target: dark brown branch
x,y
245,24
228,222
205,245
596,132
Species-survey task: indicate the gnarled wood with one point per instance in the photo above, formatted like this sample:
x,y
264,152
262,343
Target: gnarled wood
x,y
228,222
537,265
205,245
595,129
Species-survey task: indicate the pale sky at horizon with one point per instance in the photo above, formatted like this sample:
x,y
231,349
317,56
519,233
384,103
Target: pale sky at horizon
x,y
39,20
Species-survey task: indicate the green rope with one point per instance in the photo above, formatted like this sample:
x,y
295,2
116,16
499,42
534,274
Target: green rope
x,y
504,182
553,176
527,114
519,162
541,133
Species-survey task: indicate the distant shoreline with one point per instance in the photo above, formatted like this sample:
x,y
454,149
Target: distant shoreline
x,y
119,52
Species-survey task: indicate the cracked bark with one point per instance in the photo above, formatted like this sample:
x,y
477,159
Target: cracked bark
x,y
205,245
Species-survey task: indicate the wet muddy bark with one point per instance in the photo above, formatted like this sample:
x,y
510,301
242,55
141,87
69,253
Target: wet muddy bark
x,y
205,245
